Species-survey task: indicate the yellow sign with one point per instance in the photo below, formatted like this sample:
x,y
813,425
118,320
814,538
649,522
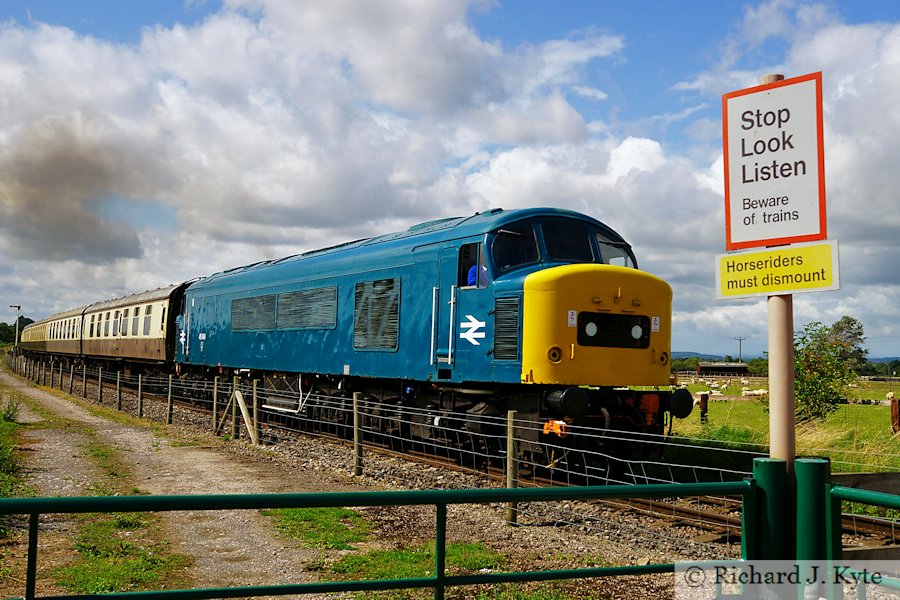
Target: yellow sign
x,y
786,270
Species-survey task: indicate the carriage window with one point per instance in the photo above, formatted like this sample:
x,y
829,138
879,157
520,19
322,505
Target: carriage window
x,y
125,321
514,245
472,269
135,321
106,326
92,326
615,253
115,325
147,313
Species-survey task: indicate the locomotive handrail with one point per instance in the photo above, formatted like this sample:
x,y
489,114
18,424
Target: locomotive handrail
x,y
34,507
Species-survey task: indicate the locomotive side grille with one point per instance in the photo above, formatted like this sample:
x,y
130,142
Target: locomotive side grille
x,y
255,313
308,309
506,328
376,322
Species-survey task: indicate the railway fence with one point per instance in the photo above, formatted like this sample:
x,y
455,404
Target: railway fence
x,y
809,532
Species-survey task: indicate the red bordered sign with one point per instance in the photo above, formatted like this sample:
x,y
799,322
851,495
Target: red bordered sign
x,y
774,164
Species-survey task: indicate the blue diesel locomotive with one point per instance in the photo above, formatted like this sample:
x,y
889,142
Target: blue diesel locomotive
x,y
539,310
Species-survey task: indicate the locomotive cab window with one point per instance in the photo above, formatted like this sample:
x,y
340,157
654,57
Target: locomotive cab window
x,y
514,245
567,241
615,253
472,269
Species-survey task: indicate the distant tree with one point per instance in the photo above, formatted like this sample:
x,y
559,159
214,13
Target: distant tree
x,y
847,335
821,372
685,364
7,333
758,366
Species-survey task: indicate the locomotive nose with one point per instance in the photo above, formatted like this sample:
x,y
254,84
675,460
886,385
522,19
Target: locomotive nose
x,y
596,325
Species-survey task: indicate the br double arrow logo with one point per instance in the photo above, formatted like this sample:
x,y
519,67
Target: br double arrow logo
x,y
473,327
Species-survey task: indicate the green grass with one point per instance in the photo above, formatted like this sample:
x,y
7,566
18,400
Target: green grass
x,y
328,528
10,468
856,437
117,553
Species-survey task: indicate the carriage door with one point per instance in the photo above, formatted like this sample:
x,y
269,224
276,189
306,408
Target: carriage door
x,y
461,306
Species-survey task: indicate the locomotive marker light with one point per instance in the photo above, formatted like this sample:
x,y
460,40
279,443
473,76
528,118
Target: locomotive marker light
x,y
774,163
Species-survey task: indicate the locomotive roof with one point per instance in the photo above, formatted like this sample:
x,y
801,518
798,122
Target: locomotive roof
x,y
429,232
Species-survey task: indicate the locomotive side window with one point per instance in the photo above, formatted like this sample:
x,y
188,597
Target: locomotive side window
x,y
376,315
615,253
514,245
472,267
567,241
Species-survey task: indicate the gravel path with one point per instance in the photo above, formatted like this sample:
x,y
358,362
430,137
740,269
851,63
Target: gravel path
x,y
240,547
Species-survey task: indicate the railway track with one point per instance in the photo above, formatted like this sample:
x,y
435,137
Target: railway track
x,y
719,516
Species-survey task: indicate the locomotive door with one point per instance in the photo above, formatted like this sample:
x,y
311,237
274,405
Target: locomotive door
x,y
460,305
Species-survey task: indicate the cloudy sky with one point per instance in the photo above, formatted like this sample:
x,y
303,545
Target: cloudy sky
x,y
147,143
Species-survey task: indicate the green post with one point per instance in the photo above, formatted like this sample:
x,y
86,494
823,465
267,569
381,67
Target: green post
x,y
812,475
750,523
773,505
31,567
833,543
440,549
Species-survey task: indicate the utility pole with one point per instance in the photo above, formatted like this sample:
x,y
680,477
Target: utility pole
x,y
740,341
18,307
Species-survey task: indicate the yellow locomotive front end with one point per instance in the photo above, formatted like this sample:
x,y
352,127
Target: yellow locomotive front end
x,y
596,325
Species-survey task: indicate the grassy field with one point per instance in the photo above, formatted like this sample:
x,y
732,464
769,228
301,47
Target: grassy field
x,y
856,437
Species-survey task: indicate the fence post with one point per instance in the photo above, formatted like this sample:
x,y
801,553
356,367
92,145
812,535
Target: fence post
x,y
71,378
704,408
215,400
512,466
169,403
118,390
812,474
895,416
256,427
771,479
100,386
140,396
60,376
52,374
235,431
84,381
357,436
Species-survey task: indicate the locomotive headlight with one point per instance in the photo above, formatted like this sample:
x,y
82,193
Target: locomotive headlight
x,y
555,354
636,332
590,329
